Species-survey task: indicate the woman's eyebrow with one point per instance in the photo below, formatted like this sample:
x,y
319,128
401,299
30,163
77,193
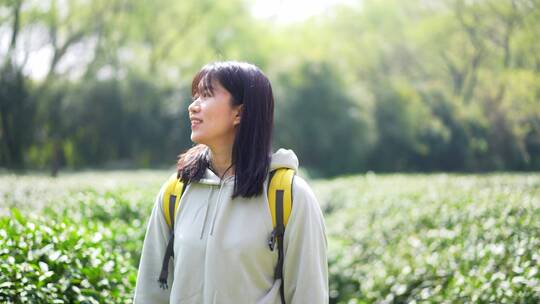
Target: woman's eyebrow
x,y
205,86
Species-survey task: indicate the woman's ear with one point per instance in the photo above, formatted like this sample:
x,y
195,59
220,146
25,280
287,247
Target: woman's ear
x,y
238,115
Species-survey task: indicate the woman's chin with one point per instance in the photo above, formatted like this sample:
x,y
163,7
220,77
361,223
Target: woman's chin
x,y
196,139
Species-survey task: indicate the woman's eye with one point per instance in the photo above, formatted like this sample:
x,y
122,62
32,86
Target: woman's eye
x,y
206,94
202,95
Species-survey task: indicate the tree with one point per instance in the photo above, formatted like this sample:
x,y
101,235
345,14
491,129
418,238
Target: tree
x,y
318,119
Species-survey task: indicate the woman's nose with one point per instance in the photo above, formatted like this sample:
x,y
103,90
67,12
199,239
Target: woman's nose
x,y
194,106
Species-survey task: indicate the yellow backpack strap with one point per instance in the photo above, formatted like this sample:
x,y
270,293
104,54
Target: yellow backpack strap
x,y
280,188
280,203
171,199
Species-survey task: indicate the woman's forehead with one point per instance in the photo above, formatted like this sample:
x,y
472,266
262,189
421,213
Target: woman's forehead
x,y
209,84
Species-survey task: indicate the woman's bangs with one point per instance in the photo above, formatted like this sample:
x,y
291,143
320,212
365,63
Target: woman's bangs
x,y
202,84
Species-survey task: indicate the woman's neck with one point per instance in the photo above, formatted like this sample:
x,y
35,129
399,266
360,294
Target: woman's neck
x,y
220,162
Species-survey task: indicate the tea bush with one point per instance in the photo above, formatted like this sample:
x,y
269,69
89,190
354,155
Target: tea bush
x,y
81,245
434,238
439,238
44,260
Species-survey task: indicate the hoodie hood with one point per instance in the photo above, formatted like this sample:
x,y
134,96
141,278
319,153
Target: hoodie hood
x,y
282,158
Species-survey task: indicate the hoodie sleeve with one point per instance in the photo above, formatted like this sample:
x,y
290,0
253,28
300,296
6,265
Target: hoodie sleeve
x,y
305,267
147,289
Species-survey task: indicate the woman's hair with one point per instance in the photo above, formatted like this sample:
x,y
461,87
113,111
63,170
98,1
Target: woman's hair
x,y
251,151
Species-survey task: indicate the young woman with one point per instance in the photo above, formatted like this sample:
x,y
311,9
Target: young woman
x,y
223,223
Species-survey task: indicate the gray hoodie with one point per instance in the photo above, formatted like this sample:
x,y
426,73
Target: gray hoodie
x,y
221,252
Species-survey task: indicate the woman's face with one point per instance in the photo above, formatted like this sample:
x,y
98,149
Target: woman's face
x,y
213,117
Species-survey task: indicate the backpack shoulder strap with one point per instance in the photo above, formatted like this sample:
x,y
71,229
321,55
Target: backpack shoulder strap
x,y
171,199
280,194
280,202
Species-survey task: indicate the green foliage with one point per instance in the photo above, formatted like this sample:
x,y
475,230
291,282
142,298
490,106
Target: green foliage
x,y
435,238
47,261
402,121
419,86
317,118
443,75
16,116
392,238
132,123
83,246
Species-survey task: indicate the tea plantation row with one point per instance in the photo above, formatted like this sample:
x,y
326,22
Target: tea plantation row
x,y
392,238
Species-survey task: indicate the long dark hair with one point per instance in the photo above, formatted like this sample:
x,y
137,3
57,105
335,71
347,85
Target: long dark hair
x,y
249,87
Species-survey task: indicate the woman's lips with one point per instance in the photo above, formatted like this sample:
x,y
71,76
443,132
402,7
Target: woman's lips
x,y
195,122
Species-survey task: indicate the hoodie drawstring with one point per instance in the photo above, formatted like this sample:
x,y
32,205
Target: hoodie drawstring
x,y
217,207
206,211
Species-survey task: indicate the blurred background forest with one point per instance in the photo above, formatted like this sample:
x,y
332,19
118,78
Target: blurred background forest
x,y
388,85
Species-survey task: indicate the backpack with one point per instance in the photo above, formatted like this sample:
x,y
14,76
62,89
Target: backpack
x,y
280,204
